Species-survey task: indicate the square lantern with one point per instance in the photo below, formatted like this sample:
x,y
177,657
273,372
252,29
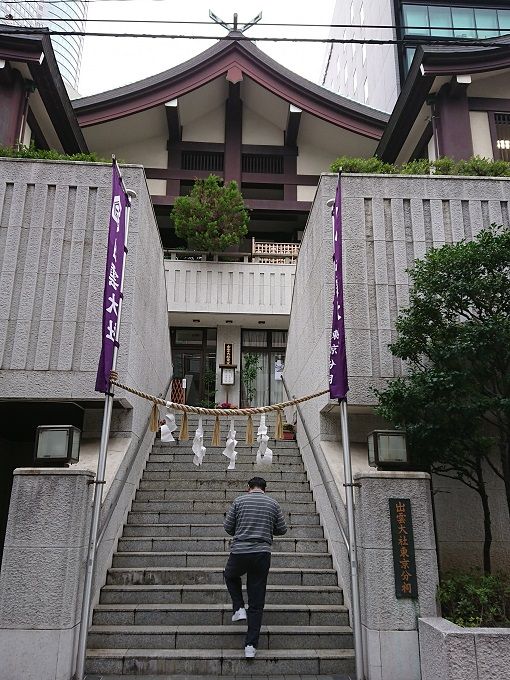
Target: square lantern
x,y
57,445
387,450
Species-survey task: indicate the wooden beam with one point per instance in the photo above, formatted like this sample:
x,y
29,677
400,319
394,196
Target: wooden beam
x,y
253,203
292,129
173,121
233,134
246,177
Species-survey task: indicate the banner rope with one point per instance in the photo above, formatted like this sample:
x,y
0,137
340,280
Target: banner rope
x,y
199,410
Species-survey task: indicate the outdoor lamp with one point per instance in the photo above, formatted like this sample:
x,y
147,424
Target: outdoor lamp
x,y
387,450
57,445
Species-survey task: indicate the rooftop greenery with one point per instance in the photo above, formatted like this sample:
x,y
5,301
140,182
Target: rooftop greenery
x,y
49,154
475,166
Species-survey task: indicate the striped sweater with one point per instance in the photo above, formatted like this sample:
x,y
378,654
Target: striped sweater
x,y
252,520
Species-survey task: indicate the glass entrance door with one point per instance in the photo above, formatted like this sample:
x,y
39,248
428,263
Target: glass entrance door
x,y
194,357
266,351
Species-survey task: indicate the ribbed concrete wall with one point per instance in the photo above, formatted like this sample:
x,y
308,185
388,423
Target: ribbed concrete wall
x,y
53,229
388,222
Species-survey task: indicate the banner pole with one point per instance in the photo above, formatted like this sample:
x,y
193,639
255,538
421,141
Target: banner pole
x,y
353,552
99,482
340,386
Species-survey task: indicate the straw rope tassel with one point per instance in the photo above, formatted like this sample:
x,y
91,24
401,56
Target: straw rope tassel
x,y
216,433
249,431
154,418
279,425
183,434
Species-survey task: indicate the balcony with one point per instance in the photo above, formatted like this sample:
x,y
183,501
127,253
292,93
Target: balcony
x,y
258,282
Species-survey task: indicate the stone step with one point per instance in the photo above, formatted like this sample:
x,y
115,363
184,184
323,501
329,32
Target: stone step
x,y
205,530
218,637
208,575
156,517
215,559
209,506
94,676
246,453
217,594
227,495
216,615
218,485
228,663
216,544
275,444
249,467
269,473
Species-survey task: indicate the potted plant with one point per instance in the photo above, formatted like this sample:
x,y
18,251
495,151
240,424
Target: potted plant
x,y
289,431
212,217
249,375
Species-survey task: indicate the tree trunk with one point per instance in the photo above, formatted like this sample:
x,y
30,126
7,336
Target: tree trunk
x,y
486,519
504,448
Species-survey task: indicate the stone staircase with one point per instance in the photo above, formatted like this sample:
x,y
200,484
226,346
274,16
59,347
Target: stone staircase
x,y
165,610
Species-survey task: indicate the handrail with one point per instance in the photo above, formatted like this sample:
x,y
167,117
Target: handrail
x,y
325,471
125,477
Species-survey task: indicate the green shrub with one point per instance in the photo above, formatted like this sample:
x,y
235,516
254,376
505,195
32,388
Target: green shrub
x,y
473,599
363,165
212,217
475,166
49,154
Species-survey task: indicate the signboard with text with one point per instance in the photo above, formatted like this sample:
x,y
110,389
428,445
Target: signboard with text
x,y
404,559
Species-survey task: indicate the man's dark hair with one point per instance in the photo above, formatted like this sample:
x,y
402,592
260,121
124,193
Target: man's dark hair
x,y
257,483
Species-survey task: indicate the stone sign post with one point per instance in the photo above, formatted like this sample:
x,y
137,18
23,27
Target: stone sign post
x,y
398,569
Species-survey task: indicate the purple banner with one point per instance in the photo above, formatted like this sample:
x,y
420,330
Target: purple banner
x,y
113,279
338,383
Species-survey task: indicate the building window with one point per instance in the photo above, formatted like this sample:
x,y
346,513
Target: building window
x,y
202,160
263,163
502,129
455,22
269,348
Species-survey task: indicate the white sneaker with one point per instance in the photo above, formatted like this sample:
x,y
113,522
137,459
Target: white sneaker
x,y
239,615
249,651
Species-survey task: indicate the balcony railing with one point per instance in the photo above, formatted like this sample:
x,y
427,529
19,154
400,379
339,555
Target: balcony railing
x,y
262,252
229,287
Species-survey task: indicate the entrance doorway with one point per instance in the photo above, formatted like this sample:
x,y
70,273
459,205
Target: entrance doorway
x,y
265,350
194,357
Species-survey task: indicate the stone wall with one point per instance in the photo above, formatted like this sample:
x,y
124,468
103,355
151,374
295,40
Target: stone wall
x,y
53,231
449,652
388,221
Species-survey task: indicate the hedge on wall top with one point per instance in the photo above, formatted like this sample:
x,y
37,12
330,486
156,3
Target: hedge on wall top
x,y
48,154
475,166
212,217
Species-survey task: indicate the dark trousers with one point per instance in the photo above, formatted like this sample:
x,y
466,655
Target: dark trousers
x,y
256,567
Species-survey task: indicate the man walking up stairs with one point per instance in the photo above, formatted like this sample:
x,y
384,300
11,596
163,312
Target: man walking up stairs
x,y
165,611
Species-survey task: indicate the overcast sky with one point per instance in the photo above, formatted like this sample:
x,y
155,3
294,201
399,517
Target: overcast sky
x,y
111,62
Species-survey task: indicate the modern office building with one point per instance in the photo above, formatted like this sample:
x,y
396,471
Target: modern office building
x,y
374,74
61,16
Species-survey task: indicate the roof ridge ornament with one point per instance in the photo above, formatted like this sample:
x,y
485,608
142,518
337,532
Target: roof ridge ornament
x,y
234,26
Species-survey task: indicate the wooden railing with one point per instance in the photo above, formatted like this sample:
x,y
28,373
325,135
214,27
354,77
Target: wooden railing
x,y
262,252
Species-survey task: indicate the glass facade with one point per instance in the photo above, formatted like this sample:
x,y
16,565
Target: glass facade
x,y
62,16
442,21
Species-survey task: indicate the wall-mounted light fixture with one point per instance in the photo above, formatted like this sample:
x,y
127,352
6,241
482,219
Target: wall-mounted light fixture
x,y
387,450
57,445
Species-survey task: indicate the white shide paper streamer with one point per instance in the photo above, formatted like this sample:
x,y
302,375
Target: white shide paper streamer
x,y
264,454
169,427
198,447
230,446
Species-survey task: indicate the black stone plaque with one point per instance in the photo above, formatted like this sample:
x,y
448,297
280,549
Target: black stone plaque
x,y
404,559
